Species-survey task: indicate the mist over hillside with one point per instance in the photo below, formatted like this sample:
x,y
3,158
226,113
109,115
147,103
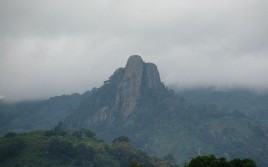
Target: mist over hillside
x,y
134,102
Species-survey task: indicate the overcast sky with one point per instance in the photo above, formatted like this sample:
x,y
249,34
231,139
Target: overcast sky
x,y
55,47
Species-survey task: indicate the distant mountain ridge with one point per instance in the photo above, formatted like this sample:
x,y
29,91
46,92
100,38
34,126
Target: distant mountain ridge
x,y
35,115
251,103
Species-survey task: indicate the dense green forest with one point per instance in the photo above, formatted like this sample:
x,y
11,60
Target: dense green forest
x,y
58,147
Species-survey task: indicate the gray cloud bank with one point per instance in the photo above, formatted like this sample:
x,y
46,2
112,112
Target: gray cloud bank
x,y
59,47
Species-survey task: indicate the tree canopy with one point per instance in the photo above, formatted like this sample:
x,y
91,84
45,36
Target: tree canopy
x,y
212,161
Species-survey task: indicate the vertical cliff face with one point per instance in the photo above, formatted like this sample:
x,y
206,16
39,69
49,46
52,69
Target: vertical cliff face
x,y
151,76
129,89
137,74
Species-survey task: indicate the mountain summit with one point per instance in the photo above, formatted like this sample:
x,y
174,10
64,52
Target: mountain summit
x,y
120,96
137,76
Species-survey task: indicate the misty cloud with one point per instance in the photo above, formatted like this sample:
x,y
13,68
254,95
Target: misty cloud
x,y
60,47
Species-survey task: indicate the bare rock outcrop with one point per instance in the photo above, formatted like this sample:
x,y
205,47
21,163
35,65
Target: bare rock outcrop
x,y
119,97
137,75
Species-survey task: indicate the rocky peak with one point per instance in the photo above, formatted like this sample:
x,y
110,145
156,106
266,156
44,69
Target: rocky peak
x,y
120,96
129,90
135,75
134,60
151,76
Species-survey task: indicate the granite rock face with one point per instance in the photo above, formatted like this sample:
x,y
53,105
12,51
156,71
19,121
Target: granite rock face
x,y
137,75
129,88
151,76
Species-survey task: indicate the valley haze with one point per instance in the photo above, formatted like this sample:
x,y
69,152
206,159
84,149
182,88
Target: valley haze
x,y
50,48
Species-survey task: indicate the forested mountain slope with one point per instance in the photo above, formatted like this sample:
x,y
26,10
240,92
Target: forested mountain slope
x,y
134,102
